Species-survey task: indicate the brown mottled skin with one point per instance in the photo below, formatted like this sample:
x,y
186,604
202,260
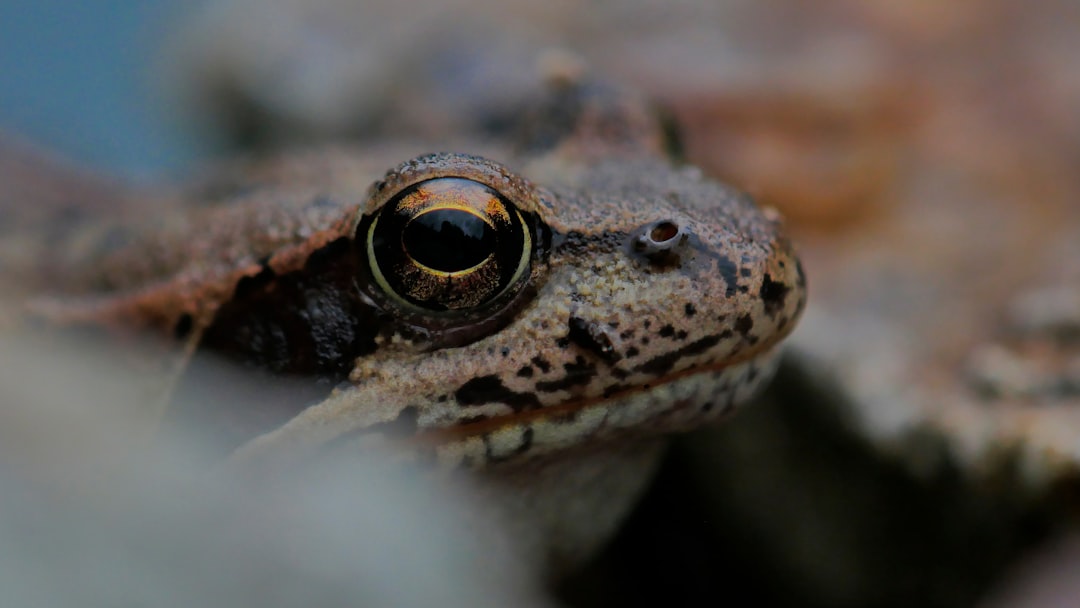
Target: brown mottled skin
x,y
653,301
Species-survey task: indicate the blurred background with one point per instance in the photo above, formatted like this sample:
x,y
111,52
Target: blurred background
x,y
84,81
924,438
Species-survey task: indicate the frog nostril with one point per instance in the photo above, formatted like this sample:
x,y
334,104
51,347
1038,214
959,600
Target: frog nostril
x,y
664,231
658,240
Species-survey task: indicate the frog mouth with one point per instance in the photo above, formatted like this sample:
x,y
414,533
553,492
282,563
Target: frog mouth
x,y
679,400
712,383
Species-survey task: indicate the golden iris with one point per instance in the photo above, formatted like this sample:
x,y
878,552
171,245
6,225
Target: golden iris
x,y
448,244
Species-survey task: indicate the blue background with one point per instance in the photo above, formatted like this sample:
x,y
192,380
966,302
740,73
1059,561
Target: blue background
x,y
80,78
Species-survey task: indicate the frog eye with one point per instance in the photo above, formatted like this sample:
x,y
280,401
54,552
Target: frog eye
x,y
447,244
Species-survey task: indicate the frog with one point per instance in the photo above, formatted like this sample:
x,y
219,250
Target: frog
x,y
538,308
941,337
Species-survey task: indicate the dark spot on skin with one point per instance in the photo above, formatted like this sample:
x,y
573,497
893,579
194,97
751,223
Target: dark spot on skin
x,y
667,331
644,340
490,389
593,338
525,372
620,373
580,245
578,373
743,325
565,417
521,448
709,405
563,343
663,363
626,335
744,289
689,310
541,363
614,388
681,334
183,326
773,293
442,398
632,352
526,440
613,324
745,272
647,323
728,271
506,351
727,333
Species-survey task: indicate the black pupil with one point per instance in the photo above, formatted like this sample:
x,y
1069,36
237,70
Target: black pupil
x,y
448,240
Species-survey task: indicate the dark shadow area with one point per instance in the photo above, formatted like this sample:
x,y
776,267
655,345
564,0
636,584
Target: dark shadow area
x,y
786,505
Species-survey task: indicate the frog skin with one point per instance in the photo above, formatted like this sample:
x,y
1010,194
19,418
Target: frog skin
x,y
613,298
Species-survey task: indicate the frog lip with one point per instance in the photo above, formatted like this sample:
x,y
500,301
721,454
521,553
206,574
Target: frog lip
x,y
437,436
